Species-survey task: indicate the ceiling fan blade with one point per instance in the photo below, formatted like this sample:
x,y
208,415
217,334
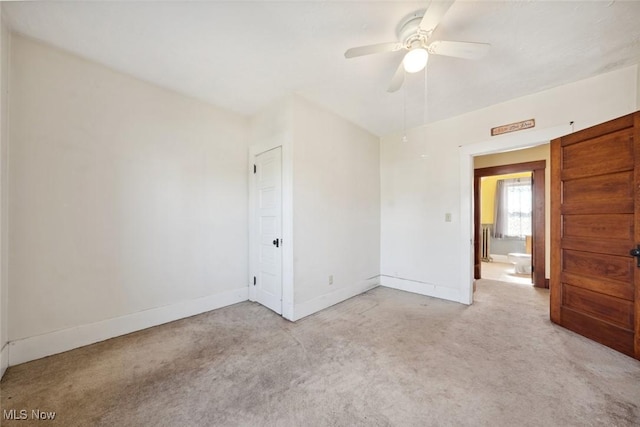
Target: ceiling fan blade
x,y
466,50
434,14
373,48
397,79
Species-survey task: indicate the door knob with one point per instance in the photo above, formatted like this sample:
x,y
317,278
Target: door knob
x,y
276,243
636,253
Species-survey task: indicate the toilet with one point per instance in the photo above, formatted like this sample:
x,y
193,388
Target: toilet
x,y
522,262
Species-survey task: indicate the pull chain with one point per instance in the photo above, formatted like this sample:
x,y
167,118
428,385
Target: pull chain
x,y
404,112
425,107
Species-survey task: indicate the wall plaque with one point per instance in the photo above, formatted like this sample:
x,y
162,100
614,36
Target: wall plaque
x,y
512,127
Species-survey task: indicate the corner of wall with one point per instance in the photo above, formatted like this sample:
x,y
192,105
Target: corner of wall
x,y
421,288
321,302
336,165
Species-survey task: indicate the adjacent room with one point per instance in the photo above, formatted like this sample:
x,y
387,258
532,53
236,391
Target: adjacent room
x,y
327,213
506,218
506,211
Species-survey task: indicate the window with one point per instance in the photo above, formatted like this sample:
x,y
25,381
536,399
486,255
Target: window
x,y
513,208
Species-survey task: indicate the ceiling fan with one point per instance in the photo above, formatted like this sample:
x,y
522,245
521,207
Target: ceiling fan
x,y
414,35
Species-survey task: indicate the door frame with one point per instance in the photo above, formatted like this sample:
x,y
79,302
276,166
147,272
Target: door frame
x,y
499,144
284,142
537,169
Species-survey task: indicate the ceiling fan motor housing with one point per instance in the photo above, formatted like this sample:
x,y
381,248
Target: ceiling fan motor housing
x,y
410,34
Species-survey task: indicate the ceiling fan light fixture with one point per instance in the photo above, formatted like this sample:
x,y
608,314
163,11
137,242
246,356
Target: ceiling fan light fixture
x,y
415,60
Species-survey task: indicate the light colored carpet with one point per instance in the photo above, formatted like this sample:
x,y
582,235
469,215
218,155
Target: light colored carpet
x,y
383,358
503,272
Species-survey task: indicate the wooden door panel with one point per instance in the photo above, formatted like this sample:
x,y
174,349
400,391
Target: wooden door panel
x,y
598,265
605,154
613,206
599,189
612,309
595,221
605,333
612,247
607,128
603,286
612,226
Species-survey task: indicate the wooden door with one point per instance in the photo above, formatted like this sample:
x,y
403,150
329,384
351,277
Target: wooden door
x,y
595,223
268,182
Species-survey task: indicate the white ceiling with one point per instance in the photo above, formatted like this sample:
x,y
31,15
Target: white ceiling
x,y
243,56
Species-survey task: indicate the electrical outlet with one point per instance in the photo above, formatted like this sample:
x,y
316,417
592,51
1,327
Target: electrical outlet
x,y
331,279
447,217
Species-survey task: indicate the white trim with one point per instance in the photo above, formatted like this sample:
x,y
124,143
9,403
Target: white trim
x,y
285,141
5,39
4,359
497,144
428,289
327,300
32,348
287,227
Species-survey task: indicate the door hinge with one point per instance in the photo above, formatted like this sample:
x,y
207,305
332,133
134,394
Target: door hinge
x,y
254,280
532,269
255,169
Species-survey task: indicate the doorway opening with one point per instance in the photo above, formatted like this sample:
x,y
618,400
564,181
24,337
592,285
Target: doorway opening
x,y
512,227
504,272
506,214
503,143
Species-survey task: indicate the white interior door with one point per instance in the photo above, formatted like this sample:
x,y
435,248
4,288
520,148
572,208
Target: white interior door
x,y
268,212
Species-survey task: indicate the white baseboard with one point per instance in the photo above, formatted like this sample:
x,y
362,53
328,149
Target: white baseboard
x,y
421,288
287,310
320,303
4,359
39,346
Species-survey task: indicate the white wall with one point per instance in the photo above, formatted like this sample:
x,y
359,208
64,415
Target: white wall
x,y
541,152
271,122
336,208
270,128
334,218
128,202
5,36
126,199
420,251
